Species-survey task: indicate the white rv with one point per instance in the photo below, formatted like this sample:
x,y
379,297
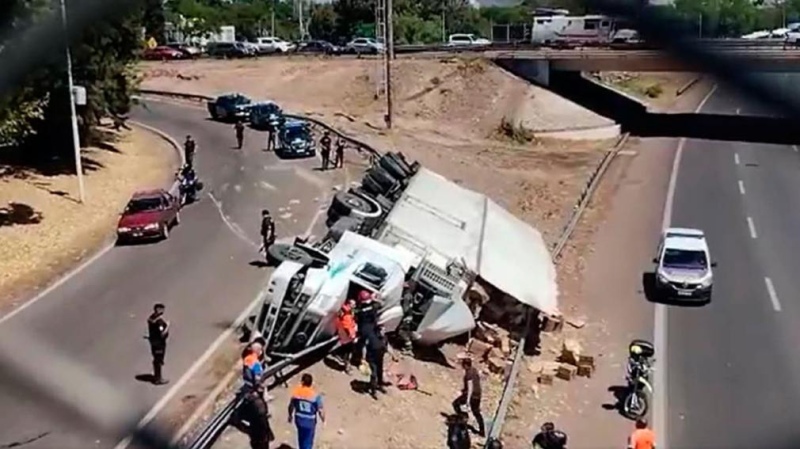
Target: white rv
x,y
571,30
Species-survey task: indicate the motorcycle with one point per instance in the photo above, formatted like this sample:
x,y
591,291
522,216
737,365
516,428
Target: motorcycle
x,y
638,369
189,185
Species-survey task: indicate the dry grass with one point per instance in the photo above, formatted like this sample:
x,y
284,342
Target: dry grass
x,y
46,230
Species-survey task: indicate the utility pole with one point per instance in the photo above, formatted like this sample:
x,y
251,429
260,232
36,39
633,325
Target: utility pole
x,y
388,53
272,20
76,146
380,36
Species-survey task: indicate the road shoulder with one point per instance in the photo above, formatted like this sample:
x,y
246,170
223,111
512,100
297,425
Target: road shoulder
x,y
45,231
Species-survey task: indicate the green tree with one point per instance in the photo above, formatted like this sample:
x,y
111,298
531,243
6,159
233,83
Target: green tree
x,y
154,19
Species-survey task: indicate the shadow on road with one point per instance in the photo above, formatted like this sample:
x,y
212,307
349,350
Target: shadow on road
x,y
618,392
19,214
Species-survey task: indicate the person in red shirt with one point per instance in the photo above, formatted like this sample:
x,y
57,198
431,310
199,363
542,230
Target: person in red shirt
x,y
346,330
642,437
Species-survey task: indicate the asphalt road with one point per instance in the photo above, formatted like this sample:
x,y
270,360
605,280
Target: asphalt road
x,y
733,369
202,274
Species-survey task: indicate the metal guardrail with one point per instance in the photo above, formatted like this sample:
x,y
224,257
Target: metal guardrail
x,y
583,201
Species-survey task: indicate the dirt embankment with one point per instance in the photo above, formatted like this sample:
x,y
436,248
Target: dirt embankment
x,y
657,89
44,230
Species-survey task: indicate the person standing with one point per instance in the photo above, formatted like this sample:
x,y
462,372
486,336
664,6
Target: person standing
x,y
642,437
376,351
346,329
338,160
305,407
267,230
458,432
158,332
471,394
325,151
366,315
252,370
271,135
239,127
256,411
189,150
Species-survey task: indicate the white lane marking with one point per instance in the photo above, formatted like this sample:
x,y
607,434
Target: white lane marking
x,y
741,187
267,185
794,147
71,274
205,405
201,362
752,227
660,318
736,158
237,231
773,297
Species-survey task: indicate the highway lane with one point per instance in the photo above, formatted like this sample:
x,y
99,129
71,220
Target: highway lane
x,y
201,273
733,370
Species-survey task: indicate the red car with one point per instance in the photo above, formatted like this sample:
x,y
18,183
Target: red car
x,y
149,214
162,53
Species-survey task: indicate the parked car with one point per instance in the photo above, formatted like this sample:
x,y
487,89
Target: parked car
x,y
263,113
466,40
319,47
228,50
149,214
251,47
294,140
626,39
364,45
269,45
230,106
189,51
162,53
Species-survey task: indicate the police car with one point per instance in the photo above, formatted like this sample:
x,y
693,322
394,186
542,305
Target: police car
x,y
683,265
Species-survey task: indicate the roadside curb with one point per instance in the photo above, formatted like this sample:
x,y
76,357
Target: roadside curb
x,y
691,83
173,188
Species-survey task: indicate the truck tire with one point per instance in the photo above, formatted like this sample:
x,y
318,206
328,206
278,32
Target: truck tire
x,y
393,168
401,161
386,180
372,186
281,252
347,203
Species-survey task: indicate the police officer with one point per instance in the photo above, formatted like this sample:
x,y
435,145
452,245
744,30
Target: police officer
x,y
338,160
458,432
189,150
376,350
549,438
267,230
158,332
325,152
239,127
304,408
256,412
366,323
270,135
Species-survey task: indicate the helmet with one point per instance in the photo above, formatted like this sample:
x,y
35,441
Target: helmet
x,y
264,212
364,295
636,350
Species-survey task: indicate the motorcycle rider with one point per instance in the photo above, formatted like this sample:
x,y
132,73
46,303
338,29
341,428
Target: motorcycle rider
x,y
239,127
267,230
188,181
549,438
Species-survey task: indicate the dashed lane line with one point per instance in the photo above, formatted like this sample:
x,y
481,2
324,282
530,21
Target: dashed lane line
x,y
773,297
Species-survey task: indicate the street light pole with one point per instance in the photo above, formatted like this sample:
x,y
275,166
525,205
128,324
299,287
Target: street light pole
x,y
388,54
76,146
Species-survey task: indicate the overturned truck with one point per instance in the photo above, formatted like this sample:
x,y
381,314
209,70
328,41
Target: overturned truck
x,y
416,240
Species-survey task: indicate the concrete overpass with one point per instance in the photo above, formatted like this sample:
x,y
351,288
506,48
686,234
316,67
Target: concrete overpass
x,y
538,64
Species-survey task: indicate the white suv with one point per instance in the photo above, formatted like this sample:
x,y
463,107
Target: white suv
x,y
467,40
267,45
684,265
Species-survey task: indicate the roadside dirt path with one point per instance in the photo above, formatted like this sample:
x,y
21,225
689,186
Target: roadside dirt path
x,y
44,230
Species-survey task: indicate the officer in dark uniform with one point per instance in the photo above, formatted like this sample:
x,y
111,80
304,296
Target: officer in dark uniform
x,y
158,332
458,432
271,134
325,151
239,127
256,412
366,323
338,160
549,438
376,350
267,230
189,149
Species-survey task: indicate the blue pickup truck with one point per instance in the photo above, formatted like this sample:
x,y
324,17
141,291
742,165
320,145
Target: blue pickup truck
x,y
295,140
229,107
263,113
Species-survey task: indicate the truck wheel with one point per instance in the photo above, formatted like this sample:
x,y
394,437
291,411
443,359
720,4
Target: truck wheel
x,y
281,252
370,185
386,180
393,168
346,203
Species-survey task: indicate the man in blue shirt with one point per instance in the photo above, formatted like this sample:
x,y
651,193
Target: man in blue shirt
x,y
304,407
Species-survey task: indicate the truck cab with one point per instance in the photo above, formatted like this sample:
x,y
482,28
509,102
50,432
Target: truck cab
x,y
302,300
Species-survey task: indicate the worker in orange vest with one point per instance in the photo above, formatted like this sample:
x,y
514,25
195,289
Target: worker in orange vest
x,y
346,330
252,369
642,437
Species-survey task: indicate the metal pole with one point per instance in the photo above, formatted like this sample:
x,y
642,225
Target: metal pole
x,y
388,56
76,146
